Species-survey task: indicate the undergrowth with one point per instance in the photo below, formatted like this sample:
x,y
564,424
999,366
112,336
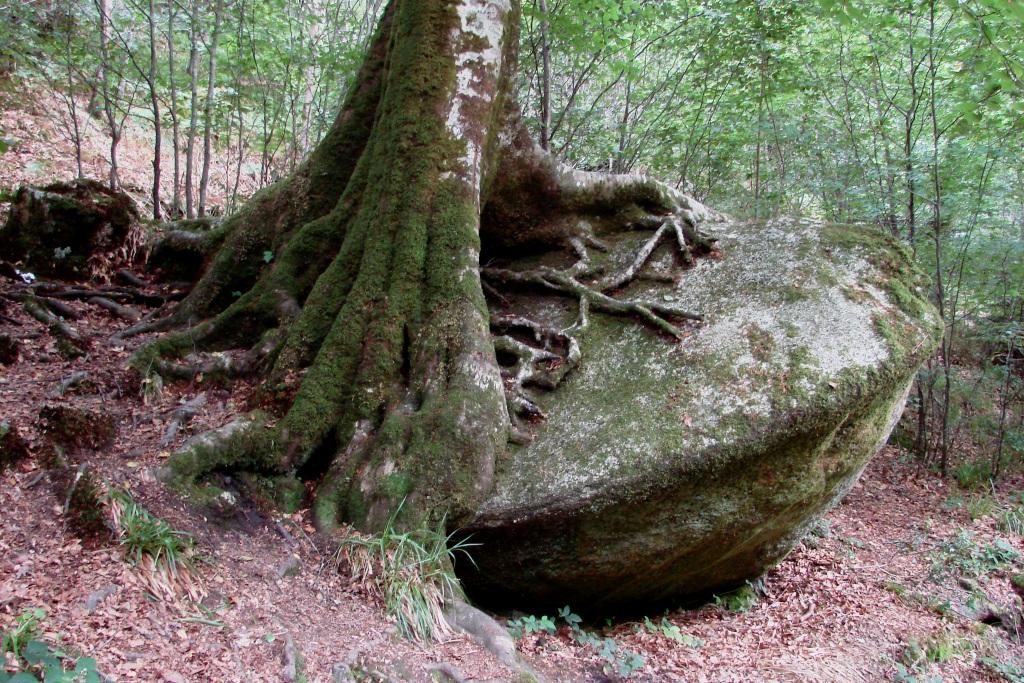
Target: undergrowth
x,y
33,660
164,554
411,572
964,556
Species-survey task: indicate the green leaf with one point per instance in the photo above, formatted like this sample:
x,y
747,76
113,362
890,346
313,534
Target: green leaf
x,y
23,678
37,653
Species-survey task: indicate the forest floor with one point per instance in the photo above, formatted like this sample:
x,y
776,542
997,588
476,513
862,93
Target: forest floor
x,y
902,574
909,579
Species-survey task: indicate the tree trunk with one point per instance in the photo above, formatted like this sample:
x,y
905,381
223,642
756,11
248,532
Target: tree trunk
x,y
545,88
175,126
362,302
154,98
211,82
108,103
193,112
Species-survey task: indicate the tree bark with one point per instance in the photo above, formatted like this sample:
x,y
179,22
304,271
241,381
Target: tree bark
x,y
354,285
108,103
155,103
193,78
211,82
545,90
175,127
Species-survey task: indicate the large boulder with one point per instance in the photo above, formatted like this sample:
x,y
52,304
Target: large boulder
x,y
666,471
69,230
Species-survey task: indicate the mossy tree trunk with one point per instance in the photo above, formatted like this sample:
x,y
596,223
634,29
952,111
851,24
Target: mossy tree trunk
x,y
354,286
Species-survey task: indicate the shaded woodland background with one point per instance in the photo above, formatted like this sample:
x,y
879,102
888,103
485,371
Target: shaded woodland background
x,y
906,114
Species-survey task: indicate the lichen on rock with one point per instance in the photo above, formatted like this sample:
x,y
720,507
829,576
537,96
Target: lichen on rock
x,y
665,471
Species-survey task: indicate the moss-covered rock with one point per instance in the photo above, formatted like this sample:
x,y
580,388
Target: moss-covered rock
x,y
67,230
667,471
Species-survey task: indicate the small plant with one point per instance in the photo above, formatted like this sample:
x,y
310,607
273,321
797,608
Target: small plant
x,y
1011,521
953,503
26,628
972,475
528,623
897,589
940,649
152,388
669,630
965,556
410,572
164,554
913,665
622,662
740,600
854,542
572,619
981,506
1012,671
35,661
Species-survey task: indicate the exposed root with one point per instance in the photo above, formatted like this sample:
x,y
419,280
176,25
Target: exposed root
x,y
144,326
35,308
534,355
654,314
116,309
223,364
543,366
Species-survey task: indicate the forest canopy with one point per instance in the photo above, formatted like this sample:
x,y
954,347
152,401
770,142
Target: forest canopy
x,y
904,114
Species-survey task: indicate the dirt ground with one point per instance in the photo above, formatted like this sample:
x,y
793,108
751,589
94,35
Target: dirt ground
x,y
910,579
887,580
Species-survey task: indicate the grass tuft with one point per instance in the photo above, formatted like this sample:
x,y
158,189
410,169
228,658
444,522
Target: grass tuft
x,y
163,554
411,572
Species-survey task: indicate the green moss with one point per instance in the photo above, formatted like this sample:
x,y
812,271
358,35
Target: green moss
x,y
905,300
247,448
762,344
283,493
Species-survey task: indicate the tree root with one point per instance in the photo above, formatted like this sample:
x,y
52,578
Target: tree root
x,y
543,366
535,355
654,314
35,308
567,282
117,310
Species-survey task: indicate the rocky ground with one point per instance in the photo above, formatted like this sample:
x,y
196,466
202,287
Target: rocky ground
x,y
910,579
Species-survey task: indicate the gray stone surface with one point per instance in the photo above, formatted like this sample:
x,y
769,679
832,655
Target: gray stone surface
x,y
669,470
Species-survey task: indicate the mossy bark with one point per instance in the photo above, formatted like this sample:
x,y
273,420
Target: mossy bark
x,y
354,285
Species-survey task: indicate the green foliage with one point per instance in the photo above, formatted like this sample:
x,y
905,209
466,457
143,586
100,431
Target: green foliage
x,y
412,573
528,623
964,556
144,536
669,630
26,628
972,475
36,661
917,655
740,600
1011,671
1012,520
617,660
980,506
